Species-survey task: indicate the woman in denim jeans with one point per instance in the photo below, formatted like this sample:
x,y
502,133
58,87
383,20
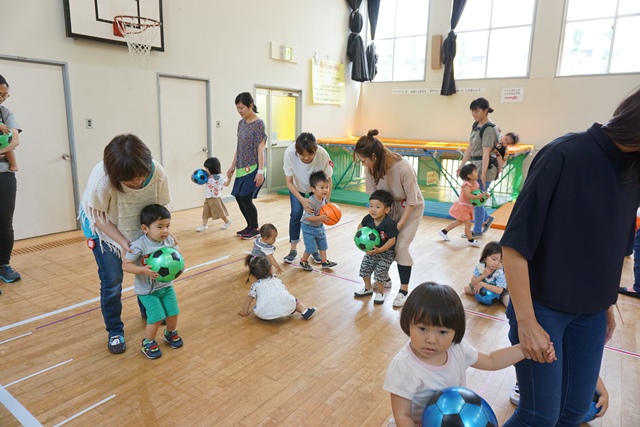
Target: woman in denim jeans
x,y
126,181
562,280
300,160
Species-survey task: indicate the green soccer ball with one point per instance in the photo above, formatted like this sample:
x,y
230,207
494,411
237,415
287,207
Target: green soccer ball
x,y
367,238
477,202
167,262
5,139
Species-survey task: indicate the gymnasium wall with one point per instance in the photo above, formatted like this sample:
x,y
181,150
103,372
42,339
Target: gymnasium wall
x,y
227,42
552,105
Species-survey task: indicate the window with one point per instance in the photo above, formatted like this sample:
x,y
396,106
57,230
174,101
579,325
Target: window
x,y
401,40
494,39
601,37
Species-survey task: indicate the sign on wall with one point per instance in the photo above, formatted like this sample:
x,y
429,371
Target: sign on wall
x,y
327,82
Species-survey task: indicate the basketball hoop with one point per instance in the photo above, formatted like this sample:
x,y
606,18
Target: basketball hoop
x,y
139,34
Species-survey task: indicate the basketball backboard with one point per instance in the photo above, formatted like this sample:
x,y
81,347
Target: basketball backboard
x,y
93,19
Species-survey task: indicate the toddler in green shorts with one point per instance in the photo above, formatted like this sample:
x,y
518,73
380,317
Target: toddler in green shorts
x,y
158,298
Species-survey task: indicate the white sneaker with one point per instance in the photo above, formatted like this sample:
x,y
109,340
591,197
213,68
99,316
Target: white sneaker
x,y
474,243
362,292
514,397
400,300
379,298
444,236
226,224
202,228
387,286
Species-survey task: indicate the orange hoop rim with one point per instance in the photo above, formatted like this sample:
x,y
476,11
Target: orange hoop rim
x,y
149,22
130,24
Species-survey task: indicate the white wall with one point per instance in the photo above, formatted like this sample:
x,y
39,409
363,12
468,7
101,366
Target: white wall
x,y
552,105
225,41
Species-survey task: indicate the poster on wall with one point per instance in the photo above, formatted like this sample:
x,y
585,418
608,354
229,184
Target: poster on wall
x,y
327,82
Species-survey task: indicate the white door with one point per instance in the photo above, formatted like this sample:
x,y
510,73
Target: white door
x,y
45,202
185,136
280,110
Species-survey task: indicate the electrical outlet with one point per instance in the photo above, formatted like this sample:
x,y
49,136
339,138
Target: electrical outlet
x,y
218,124
89,123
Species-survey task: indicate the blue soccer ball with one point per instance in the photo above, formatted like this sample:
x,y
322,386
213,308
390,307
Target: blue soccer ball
x,y
458,407
593,410
200,176
487,297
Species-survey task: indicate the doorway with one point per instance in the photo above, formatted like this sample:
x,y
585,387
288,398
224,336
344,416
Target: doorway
x,y
185,135
280,110
48,193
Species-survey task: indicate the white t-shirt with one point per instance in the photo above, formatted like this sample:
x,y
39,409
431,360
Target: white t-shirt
x,y
213,188
301,171
415,380
272,299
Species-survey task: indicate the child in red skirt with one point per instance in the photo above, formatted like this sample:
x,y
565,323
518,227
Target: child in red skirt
x,y
462,209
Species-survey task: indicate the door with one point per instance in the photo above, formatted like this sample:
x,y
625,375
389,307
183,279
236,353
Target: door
x,y
185,135
280,110
46,201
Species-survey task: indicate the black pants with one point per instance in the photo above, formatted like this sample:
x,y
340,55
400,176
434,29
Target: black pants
x,y
248,209
8,189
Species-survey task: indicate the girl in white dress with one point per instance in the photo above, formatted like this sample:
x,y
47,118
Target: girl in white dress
x,y
273,300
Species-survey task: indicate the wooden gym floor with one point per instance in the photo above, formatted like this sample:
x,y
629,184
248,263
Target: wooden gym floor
x,y
55,368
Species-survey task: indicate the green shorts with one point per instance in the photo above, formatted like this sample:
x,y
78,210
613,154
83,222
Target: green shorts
x,y
160,304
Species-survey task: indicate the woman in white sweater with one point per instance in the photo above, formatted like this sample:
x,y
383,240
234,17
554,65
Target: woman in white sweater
x,y
127,180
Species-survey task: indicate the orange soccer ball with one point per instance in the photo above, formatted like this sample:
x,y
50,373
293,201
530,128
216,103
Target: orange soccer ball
x,y
333,212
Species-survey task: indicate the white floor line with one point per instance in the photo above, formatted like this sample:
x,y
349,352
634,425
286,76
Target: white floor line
x,y
90,301
15,338
85,410
22,415
38,373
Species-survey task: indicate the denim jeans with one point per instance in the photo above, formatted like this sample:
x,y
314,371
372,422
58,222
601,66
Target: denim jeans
x,y
636,262
315,238
110,273
559,393
480,214
294,220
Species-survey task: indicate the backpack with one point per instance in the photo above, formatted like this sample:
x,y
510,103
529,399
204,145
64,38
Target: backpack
x,y
484,126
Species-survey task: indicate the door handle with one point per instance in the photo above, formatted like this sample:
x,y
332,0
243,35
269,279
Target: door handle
x,y
204,150
274,144
66,157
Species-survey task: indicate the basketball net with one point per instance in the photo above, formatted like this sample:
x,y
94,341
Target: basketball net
x,y
139,34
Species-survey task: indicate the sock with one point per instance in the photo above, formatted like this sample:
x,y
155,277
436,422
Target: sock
x,y
445,231
403,292
470,240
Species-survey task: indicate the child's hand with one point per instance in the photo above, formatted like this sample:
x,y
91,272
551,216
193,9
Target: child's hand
x,y
603,404
279,271
323,217
486,196
3,128
373,251
150,273
477,288
243,314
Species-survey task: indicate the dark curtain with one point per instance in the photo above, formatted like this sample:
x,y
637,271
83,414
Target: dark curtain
x,y
373,8
355,45
449,50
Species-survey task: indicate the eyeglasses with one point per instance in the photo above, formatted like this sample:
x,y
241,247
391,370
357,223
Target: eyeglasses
x,y
4,96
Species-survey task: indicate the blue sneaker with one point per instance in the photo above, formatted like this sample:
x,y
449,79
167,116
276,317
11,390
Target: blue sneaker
x,y
151,349
8,274
116,344
173,339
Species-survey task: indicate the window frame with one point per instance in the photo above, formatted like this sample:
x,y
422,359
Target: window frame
x,y
490,29
565,21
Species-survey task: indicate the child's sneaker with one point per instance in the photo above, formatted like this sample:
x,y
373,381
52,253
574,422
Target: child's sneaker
x,y
151,349
444,236
514,397
363,292
306,266
474,243
388,285
399,300
226,224
202,228
308,313
328,264
379,298
473,235
291,257
173,339
116,344
487,225
316,257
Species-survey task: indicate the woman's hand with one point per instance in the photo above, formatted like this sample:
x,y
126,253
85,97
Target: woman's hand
x,y
306,204
259,179
534,341
230,172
